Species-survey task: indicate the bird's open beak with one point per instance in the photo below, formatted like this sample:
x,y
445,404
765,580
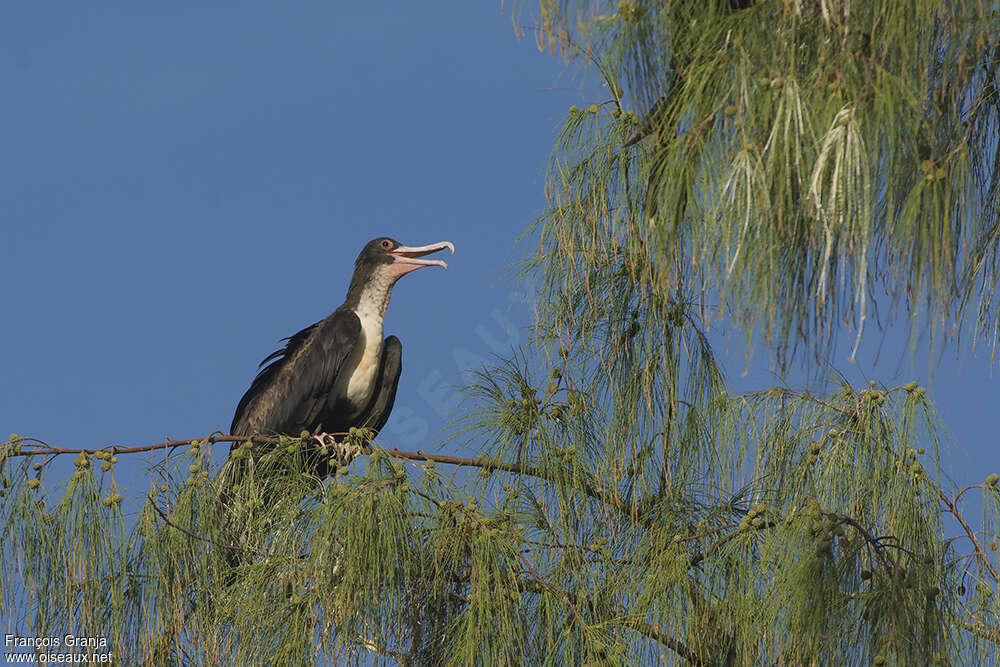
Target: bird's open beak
x,y
409,255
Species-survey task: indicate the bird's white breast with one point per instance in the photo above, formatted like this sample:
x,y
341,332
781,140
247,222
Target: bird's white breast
x,y
368,353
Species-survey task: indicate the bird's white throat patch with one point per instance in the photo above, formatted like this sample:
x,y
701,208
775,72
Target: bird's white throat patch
x,y
368,351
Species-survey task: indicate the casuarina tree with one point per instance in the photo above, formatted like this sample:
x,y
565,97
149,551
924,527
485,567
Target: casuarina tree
x,y
793,170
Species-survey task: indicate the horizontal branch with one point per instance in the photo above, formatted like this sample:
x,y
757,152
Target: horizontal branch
x,y
35,447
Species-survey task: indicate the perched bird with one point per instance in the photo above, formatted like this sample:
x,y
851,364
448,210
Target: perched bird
x,y
339,372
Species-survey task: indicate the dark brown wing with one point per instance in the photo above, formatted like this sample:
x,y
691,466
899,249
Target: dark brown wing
x,y
385,392
288,394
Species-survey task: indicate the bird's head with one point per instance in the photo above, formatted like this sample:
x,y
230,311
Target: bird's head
x,y
383,261
391,256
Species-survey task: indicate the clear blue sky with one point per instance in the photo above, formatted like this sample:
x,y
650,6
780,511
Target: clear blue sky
x,y
182,184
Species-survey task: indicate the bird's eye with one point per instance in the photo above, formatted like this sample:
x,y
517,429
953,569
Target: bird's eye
x,y
386,243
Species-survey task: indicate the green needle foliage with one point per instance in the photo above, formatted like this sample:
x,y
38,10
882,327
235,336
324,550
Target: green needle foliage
x,y
787,160
621,505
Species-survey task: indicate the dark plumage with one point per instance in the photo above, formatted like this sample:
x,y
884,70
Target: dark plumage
x,y
337,373
306,368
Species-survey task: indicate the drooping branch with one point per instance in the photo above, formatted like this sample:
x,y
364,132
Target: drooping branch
x,y
515,468
536,584
674,645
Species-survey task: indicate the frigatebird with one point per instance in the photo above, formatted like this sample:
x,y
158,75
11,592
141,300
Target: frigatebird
x,y
337,373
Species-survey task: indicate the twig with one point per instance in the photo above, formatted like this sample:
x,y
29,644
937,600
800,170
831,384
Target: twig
x,y
980,552
374,647
558,591
700,556
674,645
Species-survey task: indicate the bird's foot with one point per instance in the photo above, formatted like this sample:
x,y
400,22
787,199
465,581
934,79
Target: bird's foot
x,y
342,452
324,440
